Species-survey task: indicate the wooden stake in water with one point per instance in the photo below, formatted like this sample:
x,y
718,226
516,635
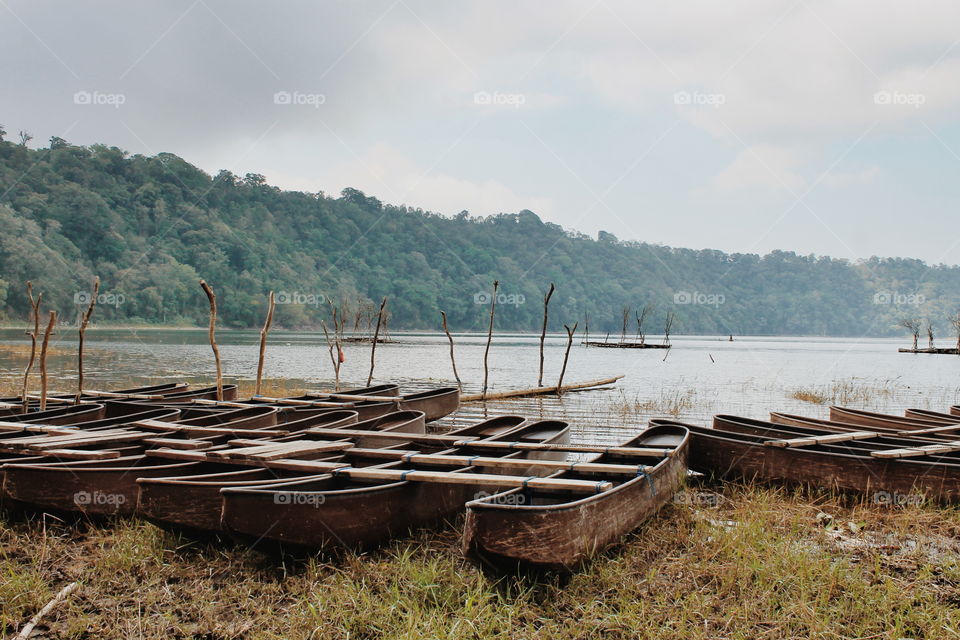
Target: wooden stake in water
x,y
271,303
43,359
335,359
453,361
566,355
486,351
84,321
543,331
376,336
35,312
212,297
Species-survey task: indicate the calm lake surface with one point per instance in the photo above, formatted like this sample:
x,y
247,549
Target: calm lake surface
x,y
700,376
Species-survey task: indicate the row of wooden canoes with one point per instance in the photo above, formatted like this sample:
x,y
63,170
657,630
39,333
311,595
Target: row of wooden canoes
x,y
311,473
914,458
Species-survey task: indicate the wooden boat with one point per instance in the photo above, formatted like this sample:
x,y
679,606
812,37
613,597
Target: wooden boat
x,y
787,419
871,419
529,529
60,416
162,413
118,407
190,501
435,403
335,512
882,440
108,487
93,396
926,414
849,467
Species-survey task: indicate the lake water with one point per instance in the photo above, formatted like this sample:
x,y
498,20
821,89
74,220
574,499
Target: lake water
x,y
698,377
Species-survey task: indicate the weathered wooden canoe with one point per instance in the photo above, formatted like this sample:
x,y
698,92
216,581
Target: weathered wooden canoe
x,y
162,413
108,487
61,416
435,403
119,407
849,467
787,419
926,414
93,396
333,512
886,439
190,501
871,419
524,528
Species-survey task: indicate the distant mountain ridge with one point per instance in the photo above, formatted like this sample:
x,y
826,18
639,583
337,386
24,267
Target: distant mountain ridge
x,y
151,227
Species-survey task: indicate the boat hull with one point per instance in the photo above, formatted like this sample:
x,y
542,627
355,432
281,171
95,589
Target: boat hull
x,y
507,531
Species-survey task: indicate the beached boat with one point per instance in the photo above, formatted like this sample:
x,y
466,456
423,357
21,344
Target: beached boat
x,y
193,503
108,487
732,452
530,529
93,395
59,416
933,432
332,511
872,419
926,414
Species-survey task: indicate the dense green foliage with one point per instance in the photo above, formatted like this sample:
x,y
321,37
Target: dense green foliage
x,y
151,227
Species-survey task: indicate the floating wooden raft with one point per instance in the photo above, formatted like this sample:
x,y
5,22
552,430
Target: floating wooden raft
x,y
538,391
396,475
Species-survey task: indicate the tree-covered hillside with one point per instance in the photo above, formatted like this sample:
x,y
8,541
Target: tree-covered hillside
x,y
151,227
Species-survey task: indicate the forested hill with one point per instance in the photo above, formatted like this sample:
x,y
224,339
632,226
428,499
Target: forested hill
x,y
151,227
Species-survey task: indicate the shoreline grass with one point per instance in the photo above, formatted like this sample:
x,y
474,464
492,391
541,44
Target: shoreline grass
x,y
748,562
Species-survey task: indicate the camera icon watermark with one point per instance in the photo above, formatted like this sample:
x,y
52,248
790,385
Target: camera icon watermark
x,y
698,499
699,98
896,499
697,297
497,98
899,299
83,299
296,297
513,498
298,98
898,98
98,98
98,498
299,498
486,297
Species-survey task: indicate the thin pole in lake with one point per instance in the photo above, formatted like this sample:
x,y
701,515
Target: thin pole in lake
x,y
43,359
338,358
453,361
543,330
212,297
35,313
566,354
271,303
486,351
376,336
81,332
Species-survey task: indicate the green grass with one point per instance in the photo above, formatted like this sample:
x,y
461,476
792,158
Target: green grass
x,y
760,564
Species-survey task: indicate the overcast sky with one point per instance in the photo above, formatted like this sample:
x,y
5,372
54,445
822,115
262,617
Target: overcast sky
x,y
818,127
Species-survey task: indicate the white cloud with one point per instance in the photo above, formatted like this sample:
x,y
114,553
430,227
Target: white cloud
x,y
762,166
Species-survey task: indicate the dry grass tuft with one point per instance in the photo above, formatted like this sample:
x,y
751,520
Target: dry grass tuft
x,y
844,392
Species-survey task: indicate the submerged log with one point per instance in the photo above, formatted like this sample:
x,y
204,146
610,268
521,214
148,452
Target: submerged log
x,y
539,391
